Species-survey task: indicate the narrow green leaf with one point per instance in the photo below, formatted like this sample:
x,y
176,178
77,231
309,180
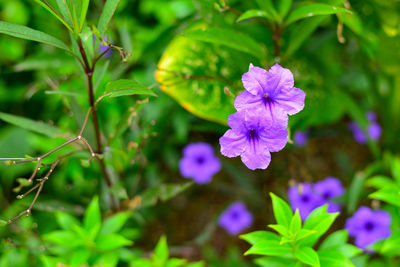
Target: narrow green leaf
x,y
282,212
355,189
253,13
115,223
3,223
92,216
295,223
307,255
282,230
304,233
380,181
229,38
111,241
66,221
390,195
268,6
283,7
30,125
106,15
23,32
55,14
333,258
311,10
320,221
161,253
63,7
395,168
127,87
269,248
85,6
257,236
335,239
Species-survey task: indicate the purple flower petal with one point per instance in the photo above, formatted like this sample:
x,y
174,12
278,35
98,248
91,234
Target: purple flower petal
x,y
255,80
291,100
256,156
279,79
329,188
232,144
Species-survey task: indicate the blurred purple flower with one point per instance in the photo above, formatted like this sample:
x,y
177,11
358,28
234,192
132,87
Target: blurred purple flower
x,y
235,218
199,163
103,48
300,138
303,198
272,91
329,189
252,137
374,130
368,227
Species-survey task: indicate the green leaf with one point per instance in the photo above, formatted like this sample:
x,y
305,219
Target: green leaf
x,y
380,181
295,223
127,87
3,223
111,241
269,248
85,6
161,252
253,13
390,195
283,7
204,78
274,262
395,168
63,238
30,125
23,32
229,38
311,10
319,220
80,257
304,233
307,255
92,217
66,221
335,239
106,15
162,192
391,244
114,224
269,8
257,236
333,258
54,13
282,212
355,189
63,7
282,230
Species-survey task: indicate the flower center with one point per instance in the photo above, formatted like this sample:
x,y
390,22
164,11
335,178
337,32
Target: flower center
x,y
267,99
305,198
253,135
235,215
200,160
326,195
369,226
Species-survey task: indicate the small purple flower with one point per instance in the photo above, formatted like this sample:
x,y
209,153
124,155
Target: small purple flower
x,y
368,226
300,138
272,91
329,189
103,48
199,163
303,198
235,218
374,130
252,137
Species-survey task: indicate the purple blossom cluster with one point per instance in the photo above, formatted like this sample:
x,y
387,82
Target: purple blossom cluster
x,y
259,125
235,218
374,130
368,226
306,196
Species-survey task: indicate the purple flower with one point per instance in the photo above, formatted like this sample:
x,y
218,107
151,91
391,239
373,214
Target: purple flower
x,y
252,137
103,48
368,227
300,138
199,163
303,198
374,130
235,218
329,189
272,91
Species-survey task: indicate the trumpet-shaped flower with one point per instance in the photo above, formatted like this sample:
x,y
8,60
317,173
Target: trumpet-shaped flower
x,y
304,198
236,218
253,137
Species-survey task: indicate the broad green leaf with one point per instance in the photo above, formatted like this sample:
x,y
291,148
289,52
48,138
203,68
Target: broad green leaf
x,y
23,32
106,15
92,217
253,13
66,221
229,38
85,6
311,10
333,258
269,248
390,195
111,241
161,253
257,236
127,87
203,78
307,255
55,14
282,212
162,192
283,7
320,221
114,224
302,32
295,223
30,125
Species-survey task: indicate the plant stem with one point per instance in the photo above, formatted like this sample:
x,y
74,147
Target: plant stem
x,y
89,76
277,39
